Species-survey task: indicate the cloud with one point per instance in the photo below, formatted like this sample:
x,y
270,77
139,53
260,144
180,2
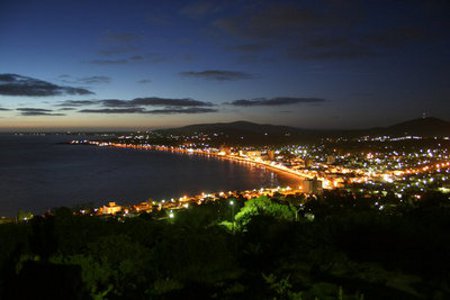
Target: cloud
x,y
278,101
4,109
104,62
30,112
115,103
95,79
66,108
364,45
72,103
144,81
169,102
220,75
37,113
190,110
152,58
34,109
140,105
272,21
113,110
17,85
327,30
140,110
137,102
86,80
304,31
154,101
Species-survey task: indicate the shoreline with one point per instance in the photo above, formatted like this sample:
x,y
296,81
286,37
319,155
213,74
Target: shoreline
x,y
283,171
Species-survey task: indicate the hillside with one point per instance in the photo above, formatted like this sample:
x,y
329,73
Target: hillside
x,y
252,133
420,127
238,126
247,132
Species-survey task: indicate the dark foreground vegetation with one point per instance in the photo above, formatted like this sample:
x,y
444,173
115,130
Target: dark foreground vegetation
x,y
333,247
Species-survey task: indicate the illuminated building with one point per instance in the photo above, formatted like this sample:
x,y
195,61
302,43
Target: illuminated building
x,y
253,154
312,186
271,155
111,209
308,162
331,159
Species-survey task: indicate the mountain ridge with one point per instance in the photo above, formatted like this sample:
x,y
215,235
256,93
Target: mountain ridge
x,y
255,133
423,124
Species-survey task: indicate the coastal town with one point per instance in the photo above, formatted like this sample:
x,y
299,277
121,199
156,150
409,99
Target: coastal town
x,y
399,168
383,197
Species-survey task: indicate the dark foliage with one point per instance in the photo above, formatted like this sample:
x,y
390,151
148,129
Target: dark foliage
x,y
270,249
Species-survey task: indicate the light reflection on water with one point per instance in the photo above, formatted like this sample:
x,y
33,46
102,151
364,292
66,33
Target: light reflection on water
x,y
36,174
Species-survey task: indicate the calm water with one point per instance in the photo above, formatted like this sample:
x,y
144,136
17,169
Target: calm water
x,y
37,173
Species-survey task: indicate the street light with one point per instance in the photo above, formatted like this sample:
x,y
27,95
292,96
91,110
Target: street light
x,y
232,213
171,215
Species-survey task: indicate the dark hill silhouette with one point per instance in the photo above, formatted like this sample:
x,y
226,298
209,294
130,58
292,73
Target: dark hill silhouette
x,y
238,126
421,127
243,132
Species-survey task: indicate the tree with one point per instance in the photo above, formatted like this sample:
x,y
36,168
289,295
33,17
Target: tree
x,y
264,206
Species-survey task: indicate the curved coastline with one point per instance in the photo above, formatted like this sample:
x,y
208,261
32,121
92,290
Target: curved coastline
x,y
280,170
62,175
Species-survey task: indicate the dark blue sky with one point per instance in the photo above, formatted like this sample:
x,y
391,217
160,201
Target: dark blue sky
x,y
146,64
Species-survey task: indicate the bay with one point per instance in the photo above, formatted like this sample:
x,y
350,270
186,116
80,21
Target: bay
x,y
38,173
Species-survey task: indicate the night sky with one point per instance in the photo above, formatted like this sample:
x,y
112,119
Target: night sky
x,y
149,64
